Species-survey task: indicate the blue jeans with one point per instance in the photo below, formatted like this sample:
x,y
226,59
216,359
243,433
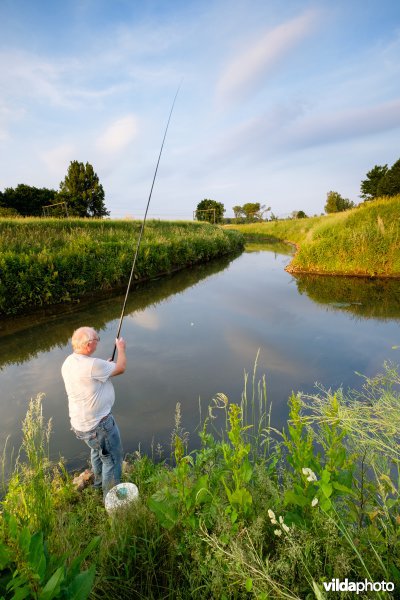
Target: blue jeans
x,y
106,452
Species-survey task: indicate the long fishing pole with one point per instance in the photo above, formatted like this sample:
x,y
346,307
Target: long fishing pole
x,y
142,227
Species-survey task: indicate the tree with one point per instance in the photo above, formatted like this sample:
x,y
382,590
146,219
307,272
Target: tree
x,y
82,191
250,212
27,200
389,185
369,186
335,203
299,214
210,210
238,212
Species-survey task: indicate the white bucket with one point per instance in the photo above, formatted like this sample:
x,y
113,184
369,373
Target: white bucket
x,y
121,495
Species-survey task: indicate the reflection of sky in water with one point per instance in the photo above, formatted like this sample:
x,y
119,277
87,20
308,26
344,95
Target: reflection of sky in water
x,y
195,343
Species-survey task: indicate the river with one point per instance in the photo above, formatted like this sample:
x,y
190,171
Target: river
x,y
193,334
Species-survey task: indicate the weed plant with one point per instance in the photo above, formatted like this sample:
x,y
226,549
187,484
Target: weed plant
x,y
253,512
50,261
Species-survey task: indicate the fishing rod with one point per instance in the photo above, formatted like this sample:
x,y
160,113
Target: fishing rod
x,y
143,224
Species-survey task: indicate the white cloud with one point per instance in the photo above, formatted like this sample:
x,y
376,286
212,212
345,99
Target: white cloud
x,y
263,55
118,135
57,159
146,319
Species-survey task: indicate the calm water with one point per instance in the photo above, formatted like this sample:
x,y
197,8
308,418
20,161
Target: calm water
x,y
193,334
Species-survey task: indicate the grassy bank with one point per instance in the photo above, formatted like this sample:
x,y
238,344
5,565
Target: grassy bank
x,y
49,261
253,513
364,241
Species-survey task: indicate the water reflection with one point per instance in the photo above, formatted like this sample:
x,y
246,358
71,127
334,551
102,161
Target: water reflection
x,y
23,338
277,247
360,296
190,336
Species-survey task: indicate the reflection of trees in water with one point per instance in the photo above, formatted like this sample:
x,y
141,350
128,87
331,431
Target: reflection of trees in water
x,y
23,338
269,245
368,298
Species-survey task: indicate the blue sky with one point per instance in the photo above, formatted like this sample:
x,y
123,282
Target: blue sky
x,y
280,102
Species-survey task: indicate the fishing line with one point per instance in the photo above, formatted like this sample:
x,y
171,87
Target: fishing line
x,y
143,224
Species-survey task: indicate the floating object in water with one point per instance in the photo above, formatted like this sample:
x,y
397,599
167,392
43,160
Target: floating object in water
x,y
121,495
191,324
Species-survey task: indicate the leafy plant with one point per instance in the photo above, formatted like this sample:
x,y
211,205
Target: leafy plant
x,y
238,467
27,570
30,495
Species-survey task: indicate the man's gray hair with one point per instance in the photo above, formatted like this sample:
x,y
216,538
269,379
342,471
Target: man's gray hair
x,y
81,336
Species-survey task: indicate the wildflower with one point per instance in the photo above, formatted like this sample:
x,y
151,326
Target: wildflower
x,y
285,528
314,502
271,515
311,476
278,532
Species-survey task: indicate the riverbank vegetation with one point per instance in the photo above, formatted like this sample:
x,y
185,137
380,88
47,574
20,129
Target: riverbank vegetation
x,y
50,261
364,241
252,513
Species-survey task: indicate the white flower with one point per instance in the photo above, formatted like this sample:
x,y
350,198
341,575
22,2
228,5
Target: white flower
x,y
278,532
311,476
285,528
314,502
271,514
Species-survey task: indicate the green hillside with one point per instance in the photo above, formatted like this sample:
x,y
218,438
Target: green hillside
x,y
364,241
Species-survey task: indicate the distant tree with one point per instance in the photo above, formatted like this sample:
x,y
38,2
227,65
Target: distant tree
x,y
238,212
82,191
27,200
213,210
250,212
254,211
299,214
335,203
389,185
369,186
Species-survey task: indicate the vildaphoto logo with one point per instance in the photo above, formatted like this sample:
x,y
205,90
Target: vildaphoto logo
x,y
336,585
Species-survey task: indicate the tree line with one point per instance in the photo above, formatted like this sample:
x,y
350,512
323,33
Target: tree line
x,y
80,194
379,181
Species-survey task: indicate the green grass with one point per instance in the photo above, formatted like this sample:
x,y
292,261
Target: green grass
x,y
252,513
50,261
364,241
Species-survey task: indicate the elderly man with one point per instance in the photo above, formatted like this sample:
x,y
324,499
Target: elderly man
x,y
90,399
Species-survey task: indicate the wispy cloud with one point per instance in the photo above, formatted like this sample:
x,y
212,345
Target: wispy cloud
x,y
57,159
285,129
69,83
346,124
248,70
8,114
118,135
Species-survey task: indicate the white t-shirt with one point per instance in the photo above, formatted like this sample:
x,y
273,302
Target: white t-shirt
x,y
89,389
